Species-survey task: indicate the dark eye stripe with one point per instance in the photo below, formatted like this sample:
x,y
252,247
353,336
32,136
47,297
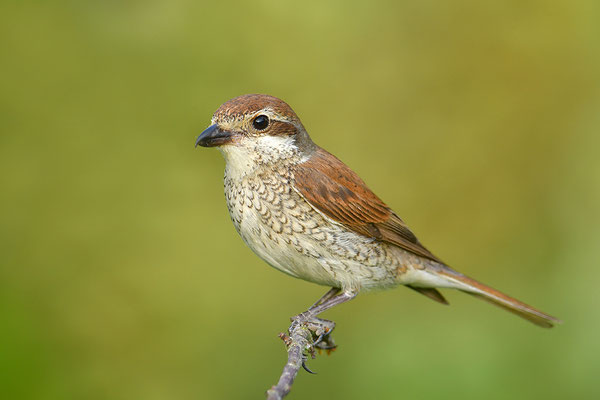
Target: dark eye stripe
x,y
280,128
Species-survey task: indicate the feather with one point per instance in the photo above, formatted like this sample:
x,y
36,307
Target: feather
x,y
432,293
338,192
493,296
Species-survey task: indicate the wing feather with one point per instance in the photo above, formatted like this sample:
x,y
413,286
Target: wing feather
x,y
338,192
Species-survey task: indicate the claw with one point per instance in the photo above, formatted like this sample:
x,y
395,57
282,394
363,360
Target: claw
x,y
306,368
321,337
328,347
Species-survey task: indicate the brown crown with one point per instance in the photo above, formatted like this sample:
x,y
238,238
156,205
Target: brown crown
x,y
251,103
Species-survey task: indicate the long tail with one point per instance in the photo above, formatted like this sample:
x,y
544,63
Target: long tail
x,y
478,289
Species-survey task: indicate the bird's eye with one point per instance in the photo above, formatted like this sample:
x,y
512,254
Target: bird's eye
x,y
261,122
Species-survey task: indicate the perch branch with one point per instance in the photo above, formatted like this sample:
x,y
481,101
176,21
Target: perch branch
x,y
304,336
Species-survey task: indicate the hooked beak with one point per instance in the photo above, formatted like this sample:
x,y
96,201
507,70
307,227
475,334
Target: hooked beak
x,y
213,136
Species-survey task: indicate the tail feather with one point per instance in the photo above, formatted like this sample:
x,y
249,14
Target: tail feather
x,y
432,293
493,296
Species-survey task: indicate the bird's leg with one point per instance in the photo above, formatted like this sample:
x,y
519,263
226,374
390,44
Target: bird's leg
x,y
330,293
323,327
331,299
319,330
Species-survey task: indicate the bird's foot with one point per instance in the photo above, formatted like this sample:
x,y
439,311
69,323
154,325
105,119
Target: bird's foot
x,y
300,319
319,328
317,332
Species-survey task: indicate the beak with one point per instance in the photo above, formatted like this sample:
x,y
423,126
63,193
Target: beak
x,y
213,136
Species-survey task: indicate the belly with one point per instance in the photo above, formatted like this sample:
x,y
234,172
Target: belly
x,y
288,254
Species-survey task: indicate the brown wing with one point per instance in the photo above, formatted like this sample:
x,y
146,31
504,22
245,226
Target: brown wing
x,y
336,191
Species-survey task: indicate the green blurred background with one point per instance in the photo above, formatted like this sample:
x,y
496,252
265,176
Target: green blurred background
x,y
121,276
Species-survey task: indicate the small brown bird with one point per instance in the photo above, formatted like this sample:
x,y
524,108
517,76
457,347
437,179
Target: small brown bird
x,y
307,214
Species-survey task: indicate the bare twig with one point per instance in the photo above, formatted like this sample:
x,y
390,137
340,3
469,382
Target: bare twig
x,y
296,343
303,336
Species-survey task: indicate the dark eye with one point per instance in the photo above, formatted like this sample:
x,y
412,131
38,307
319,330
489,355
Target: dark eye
x,y
261,122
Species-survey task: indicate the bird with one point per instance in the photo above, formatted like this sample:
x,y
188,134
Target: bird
x,y
307,214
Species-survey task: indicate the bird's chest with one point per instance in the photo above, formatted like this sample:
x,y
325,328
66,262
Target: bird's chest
x,y
283,229
280,226
272,218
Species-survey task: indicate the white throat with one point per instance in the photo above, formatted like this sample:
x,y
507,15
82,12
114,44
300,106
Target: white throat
x,y
252,153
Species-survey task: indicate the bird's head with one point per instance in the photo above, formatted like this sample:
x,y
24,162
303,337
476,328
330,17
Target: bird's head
x,y
257,129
